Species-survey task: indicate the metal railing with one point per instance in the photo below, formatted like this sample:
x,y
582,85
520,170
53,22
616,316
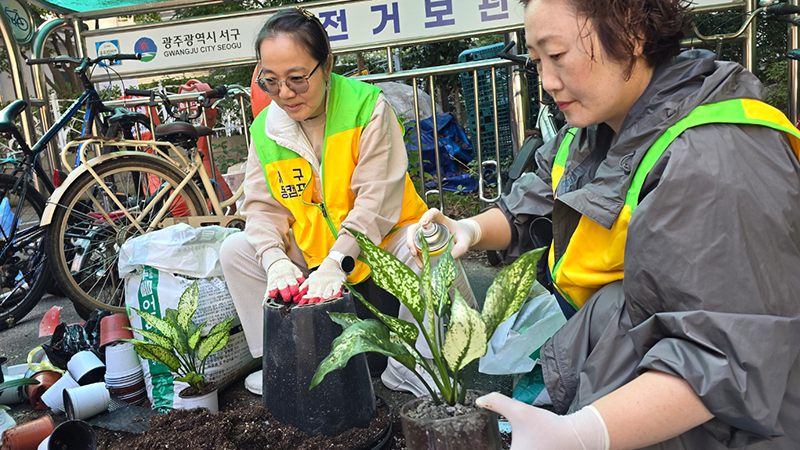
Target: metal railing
x,y
429,75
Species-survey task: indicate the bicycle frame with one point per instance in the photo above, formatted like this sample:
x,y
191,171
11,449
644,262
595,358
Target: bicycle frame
x,y
165,152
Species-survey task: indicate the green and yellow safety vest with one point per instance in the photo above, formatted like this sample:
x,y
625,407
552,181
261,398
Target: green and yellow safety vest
x,y
291,181
594,256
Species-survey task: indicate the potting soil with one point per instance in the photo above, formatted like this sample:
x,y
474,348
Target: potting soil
x,y
251,427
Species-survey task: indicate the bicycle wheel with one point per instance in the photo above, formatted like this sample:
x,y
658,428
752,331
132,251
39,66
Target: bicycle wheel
x,y
88,228
22,262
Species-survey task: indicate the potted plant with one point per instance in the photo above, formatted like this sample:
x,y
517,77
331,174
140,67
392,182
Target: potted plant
x,y
456,334
177,343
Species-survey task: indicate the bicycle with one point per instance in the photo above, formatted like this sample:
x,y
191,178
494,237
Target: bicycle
x,y
771,10
123,194
22,263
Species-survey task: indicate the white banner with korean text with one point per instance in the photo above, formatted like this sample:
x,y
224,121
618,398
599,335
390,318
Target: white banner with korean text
x,y
350,25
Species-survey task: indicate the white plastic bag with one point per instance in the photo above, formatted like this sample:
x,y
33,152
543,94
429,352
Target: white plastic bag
x,y
158,267
520,335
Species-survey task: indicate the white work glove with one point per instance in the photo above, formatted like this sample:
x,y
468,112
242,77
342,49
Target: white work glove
x,y
466,232
284,277
324,283
533,427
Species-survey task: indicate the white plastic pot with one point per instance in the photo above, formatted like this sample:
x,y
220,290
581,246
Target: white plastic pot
x,y
86,401
209,401
54,397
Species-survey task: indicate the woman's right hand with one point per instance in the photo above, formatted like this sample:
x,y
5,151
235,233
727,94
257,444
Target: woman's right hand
x,y
284,277
465,232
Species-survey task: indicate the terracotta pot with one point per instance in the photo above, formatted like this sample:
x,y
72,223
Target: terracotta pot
x,y
29,435
111,329
47,378
478,429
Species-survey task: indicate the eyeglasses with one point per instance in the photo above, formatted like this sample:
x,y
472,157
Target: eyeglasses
x,y
297,83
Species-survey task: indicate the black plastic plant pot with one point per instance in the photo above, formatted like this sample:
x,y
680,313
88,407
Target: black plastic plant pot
x,y
296,340
476,430
73,435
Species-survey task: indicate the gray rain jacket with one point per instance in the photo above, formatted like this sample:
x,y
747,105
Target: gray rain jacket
x,y
711,288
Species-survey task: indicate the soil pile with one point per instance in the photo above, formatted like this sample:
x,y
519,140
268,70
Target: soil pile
x,y
247,428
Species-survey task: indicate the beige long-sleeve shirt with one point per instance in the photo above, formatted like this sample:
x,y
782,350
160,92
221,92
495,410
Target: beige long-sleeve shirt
x,y
378,182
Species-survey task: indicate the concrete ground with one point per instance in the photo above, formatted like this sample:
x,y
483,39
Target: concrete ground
x,y
17,342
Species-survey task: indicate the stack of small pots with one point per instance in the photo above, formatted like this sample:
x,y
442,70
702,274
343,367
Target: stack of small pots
x,y
124,376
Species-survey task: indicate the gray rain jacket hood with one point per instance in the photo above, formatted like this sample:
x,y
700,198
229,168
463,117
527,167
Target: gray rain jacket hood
x,y
711,285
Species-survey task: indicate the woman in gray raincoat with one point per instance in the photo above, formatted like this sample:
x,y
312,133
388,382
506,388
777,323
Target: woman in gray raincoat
x,y
674,195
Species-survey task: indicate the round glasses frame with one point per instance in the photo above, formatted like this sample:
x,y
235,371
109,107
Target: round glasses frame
x,y
297,83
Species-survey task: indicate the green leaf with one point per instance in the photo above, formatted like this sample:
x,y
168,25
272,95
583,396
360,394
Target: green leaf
x,y
181,340
466,336
365,336
510,288
197,381
216,339
187,305
157,353
194,335
394,276
17,383
407,331
442,277
344,319
426,285
162,326
153,336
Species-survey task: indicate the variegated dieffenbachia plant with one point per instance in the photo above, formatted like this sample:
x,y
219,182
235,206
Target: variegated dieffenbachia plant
x,y
178,343
456,333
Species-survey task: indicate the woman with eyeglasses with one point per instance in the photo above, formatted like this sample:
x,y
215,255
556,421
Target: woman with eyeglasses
x,y
327,154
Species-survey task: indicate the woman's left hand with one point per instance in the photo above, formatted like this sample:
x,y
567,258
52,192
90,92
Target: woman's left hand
x,y
533,427
324,283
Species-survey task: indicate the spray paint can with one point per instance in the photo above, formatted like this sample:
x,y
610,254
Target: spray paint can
x,y
437,236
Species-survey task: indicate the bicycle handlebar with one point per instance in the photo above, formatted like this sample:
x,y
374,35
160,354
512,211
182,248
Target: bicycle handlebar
x,y
139,92
217,92
89,61
773,13
783,9
184,114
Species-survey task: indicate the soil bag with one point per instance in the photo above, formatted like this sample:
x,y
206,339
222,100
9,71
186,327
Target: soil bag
x,y
158,267
513,345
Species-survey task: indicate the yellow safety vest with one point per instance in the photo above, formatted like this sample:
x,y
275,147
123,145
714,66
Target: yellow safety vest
x,y
594,256
291,181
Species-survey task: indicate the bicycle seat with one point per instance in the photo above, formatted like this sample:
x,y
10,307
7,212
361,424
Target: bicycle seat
x,y
9,115
178,133
203,131
127,118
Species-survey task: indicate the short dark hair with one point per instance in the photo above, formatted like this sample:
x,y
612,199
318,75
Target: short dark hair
x,y
659,25
301,24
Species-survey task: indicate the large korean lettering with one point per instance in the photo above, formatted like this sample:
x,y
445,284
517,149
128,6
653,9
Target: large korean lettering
x,y
386,16
335,23
438,10
493,10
